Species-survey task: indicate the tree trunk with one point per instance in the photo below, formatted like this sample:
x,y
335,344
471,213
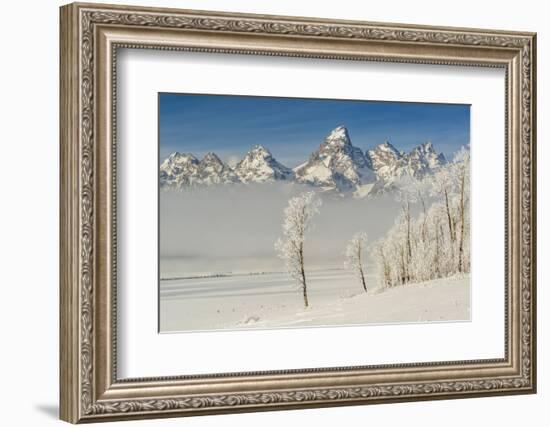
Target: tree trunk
x,y
442,268
302,271
436,258
386,268
363,279
425,222
361,268
403,271
451,231
408,218
408,250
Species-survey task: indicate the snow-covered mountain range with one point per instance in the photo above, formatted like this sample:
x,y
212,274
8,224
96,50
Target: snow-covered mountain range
x,y
185,170
337,165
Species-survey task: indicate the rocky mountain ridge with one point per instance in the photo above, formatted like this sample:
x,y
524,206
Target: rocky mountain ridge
x,y
337,165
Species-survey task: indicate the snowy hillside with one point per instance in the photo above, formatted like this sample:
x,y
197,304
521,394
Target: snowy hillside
x,y
337,166
270,301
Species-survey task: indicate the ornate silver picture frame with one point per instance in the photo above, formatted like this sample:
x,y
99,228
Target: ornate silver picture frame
x,y
91,37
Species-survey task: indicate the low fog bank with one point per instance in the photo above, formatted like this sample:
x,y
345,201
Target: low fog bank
x,y
234,227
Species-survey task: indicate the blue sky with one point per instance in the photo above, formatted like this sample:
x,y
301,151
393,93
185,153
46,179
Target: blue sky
x,y
292,128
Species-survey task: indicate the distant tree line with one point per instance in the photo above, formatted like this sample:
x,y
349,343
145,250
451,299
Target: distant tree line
x,y
436,243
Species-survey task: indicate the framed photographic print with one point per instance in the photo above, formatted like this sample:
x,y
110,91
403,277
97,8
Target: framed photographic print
x,y
264,212
247,241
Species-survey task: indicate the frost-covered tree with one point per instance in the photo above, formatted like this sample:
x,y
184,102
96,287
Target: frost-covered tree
x,y
435,243
412,191
355,256
296,222
462,172
451,181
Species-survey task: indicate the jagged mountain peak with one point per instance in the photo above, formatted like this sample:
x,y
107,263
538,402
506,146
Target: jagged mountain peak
x,y
177,165
178,157
386,161
337,140
428,145
212,170
424,148
259,165
386,147
424,158
259,150
391,165
338,136
337,164
211,159
185,170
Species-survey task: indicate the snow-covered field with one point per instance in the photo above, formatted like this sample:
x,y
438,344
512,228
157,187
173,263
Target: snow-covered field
x,y
271,300
221,269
